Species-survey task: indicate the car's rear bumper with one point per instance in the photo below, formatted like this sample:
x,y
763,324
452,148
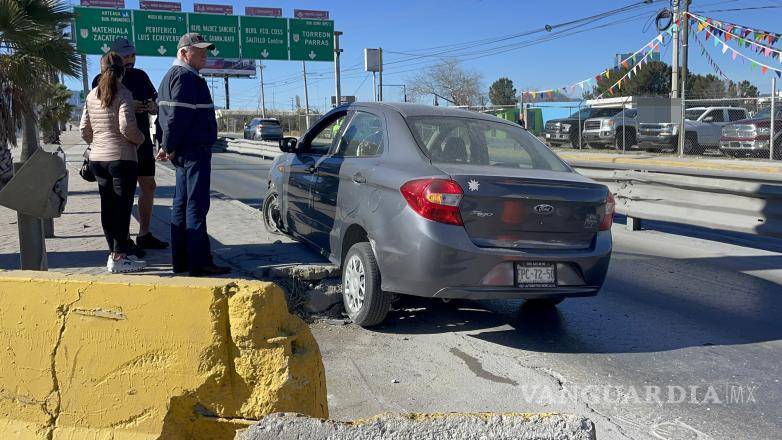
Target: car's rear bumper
x,y
483,292
438,260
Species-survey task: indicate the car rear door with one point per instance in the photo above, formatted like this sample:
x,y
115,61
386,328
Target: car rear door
x,y
710,132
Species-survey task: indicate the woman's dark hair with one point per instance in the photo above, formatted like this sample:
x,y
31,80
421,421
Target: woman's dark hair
x,y
112,67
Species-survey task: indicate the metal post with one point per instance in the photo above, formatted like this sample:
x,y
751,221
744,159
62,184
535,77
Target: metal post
x,y
306,96
374,88
227,95
685,26
624,130
579,126
773,117
263,95
404,92
675,54
337,74
32,242
380,58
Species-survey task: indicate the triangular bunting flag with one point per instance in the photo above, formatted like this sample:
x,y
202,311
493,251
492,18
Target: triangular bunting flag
x,y
724,48
754,65
660,38
779,73
701,26
763,69
708,34
625,64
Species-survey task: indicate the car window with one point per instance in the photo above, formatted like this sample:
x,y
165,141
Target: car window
x,y
270,122
735,114
480,142
326,136
606,112
693,114
253,123
717,115
363,136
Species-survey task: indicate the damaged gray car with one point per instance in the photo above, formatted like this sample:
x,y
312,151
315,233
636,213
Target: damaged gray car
x,y
443,203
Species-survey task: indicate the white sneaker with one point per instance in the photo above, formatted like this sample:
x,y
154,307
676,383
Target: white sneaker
x,y
126,265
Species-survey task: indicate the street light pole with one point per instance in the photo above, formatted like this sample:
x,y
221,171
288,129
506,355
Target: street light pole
x,y
685,26
675,53
263,95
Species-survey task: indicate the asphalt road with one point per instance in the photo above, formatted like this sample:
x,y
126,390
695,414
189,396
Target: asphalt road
x,y
697,318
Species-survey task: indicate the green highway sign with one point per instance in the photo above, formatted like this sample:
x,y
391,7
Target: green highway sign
x,y
97,28
311,40
220,30
264,38
157,32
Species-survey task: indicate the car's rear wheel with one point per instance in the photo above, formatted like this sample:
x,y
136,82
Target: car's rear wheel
x,y
365,303
271,213
543,302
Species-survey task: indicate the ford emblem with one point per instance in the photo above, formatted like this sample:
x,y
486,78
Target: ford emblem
x,y
543,209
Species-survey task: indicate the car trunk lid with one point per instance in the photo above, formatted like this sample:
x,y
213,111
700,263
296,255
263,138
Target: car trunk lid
x,y
528,209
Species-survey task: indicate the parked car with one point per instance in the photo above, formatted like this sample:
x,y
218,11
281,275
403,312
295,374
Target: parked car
x,y
618,130
750,137
437,202
263,129
703,129
567,130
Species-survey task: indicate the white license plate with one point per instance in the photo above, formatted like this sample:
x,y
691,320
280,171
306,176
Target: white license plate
x,y
548,135
536,274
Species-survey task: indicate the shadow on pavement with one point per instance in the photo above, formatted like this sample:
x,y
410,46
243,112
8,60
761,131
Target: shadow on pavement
x,y
638,311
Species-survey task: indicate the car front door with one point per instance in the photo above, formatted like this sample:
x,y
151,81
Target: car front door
x,y
710,133
314,147
343,176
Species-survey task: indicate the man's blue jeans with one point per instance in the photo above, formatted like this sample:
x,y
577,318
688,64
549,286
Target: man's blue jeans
x,y
190,246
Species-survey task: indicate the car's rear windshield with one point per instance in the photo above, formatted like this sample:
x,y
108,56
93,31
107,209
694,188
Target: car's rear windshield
x,y
451,139
269,122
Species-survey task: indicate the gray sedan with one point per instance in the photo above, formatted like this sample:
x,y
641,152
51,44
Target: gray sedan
x,y
436,202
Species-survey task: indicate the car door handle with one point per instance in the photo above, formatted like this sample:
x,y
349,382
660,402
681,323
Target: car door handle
x,y
312,169
358,178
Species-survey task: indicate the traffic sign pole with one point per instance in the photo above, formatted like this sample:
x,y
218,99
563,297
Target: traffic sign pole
x,y
380,56
263,96
306,95
337,84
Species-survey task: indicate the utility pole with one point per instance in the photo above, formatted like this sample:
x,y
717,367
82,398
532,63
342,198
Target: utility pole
x,y
380,57
263,95
675,53
684,21
306,96
337,52
227,97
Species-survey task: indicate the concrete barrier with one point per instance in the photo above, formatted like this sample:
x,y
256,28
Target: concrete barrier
x,y
134,357
514,426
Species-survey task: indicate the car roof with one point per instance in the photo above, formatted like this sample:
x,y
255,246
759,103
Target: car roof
x,y
407,110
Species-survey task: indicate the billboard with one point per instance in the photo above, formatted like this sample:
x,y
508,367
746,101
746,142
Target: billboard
x,y
231,68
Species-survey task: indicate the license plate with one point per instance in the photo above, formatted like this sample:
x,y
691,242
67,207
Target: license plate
x,y
548,135
536,274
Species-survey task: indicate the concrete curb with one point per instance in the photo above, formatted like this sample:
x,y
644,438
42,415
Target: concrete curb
x,y
141,357
514,426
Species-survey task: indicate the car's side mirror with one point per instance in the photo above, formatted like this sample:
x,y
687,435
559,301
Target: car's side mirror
x,y
288,144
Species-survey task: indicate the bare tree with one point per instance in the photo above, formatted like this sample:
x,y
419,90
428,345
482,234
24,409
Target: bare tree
x,y
450,80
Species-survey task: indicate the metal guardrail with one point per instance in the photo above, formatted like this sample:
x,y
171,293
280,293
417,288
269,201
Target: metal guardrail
x,y
748,202
730,200
265,149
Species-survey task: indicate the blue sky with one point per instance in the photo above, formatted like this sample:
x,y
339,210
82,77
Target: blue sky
x,y
414,26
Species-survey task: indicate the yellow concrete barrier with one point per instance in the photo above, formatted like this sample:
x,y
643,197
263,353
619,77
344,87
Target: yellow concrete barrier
x,y
134,357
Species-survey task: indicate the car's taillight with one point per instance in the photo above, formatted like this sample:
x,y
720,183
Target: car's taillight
x,y
608,219
434,199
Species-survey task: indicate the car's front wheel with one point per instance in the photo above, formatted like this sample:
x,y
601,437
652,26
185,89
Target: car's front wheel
x,y
365,303
271,213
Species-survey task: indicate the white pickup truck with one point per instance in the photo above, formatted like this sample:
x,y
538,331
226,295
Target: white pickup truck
x,y
703,128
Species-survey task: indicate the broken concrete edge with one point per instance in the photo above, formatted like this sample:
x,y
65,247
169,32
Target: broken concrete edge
x,y
148,357
454,426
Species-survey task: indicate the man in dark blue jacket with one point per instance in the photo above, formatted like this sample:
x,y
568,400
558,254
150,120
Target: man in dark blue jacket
x,y
188,131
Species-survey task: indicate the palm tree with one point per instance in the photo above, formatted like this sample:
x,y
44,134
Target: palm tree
x,y
33,50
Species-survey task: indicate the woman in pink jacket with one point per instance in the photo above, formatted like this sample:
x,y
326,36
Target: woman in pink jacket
x,y
109,125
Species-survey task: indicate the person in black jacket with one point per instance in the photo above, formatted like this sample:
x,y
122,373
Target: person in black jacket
x,y
188,132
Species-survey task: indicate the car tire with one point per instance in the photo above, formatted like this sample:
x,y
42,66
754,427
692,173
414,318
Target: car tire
x,y
271,213
691,145
543,302
365,303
